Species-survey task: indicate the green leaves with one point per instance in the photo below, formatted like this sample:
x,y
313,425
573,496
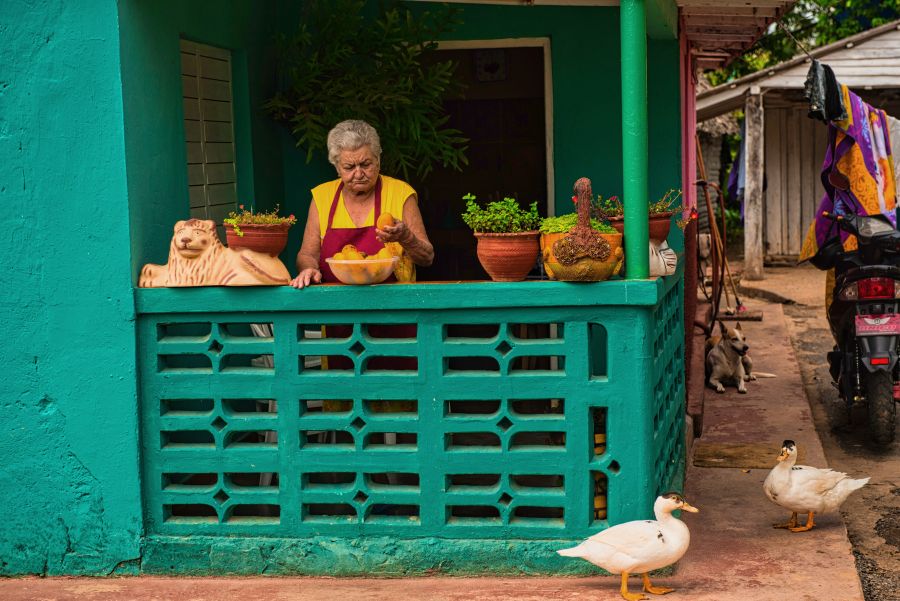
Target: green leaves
x,y
565,223
341,65
249,216
500,217
668,202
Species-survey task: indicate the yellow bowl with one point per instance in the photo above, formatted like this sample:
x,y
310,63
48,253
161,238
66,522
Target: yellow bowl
x,y
362,271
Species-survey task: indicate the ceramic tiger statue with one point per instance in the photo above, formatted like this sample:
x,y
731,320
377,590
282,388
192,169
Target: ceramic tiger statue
x,y
198,258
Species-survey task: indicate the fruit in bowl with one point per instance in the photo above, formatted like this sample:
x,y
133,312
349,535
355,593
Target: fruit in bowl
x,y
362,269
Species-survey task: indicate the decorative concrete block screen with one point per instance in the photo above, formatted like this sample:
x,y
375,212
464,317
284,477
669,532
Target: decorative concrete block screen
x,y
518,416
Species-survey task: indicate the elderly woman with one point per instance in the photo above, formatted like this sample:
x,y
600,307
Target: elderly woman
x,y
346,210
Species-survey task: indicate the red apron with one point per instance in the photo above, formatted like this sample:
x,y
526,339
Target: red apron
x,y
363,238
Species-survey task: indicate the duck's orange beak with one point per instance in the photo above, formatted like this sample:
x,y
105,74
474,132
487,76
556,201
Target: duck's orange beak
x,y
688,507
784,455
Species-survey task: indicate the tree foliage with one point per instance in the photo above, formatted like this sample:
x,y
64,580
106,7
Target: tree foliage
x,y
342,63
813,23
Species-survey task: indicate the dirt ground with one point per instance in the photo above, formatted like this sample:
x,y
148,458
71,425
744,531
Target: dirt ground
x,y
872,515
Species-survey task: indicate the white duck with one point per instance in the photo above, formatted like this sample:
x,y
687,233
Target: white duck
x,y
804,489
640,546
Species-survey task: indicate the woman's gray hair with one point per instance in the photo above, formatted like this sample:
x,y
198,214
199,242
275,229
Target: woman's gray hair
x,y
352,134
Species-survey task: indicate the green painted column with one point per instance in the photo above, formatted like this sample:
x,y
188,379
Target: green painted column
x,y
633,28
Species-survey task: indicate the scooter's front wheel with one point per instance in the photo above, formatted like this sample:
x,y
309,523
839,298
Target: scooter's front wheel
x,y
882,408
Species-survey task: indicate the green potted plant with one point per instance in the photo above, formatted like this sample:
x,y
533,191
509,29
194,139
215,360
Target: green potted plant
x,y
659,213
507,236
265,232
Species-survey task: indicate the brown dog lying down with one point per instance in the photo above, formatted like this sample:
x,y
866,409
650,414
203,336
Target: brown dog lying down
x,y
727,359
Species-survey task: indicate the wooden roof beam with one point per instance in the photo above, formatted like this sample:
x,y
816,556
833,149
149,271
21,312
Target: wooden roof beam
x,y
728,5
700,53
718,11
727,23
704,37
719,45
709,63
691,29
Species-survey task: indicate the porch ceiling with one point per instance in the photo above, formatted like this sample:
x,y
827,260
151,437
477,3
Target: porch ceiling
x,y
717,30
720,30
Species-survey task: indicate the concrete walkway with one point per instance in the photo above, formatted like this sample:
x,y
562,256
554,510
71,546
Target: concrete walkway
x,y
735,554
801,285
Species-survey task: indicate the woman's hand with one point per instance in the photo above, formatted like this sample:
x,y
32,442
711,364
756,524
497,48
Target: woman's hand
x,y
306,278
399,232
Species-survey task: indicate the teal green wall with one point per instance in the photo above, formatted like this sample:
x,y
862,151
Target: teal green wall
x,y
586,98
584,49
69,488
92,177
91,192
587,133
151,84
664,124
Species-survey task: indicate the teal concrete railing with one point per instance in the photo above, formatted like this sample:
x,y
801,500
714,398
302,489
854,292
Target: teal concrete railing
x,y
527,408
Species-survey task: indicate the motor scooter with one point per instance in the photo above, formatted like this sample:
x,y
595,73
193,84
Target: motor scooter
x,y
864,316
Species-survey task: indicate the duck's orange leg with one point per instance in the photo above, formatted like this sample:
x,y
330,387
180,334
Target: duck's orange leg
x,y
810,522
655,590
790,524
624,590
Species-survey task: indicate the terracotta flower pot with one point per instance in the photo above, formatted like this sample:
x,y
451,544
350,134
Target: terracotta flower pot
x,y
584,270
269,238
618,223
659,225
507,257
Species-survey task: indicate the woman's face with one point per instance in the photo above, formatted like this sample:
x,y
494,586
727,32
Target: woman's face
x,y
358,169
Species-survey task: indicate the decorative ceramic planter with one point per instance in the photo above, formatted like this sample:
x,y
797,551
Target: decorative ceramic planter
x,y
507,257
269,238
659,225
584,270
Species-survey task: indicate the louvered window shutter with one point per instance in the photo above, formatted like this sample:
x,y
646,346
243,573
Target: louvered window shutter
x,y
209,130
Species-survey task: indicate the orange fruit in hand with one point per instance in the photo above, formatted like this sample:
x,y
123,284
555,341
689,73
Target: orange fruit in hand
x,y
383,220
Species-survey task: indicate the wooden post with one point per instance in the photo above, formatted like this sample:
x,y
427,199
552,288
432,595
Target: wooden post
x,y
753,186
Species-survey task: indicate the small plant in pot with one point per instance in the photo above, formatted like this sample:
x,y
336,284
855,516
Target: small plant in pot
x,y
507,236
659,213
265,232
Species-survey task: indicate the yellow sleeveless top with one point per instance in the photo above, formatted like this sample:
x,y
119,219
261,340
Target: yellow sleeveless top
x,y
394,193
